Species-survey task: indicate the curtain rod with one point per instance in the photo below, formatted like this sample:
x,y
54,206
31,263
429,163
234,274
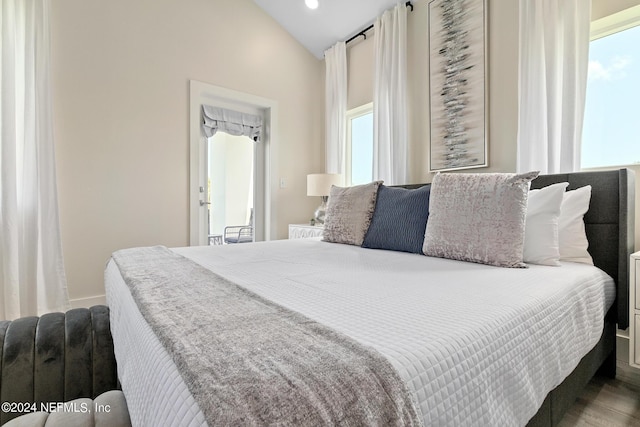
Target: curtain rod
x,y
363,32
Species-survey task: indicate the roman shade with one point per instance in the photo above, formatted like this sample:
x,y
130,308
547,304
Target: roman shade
x,y
216,119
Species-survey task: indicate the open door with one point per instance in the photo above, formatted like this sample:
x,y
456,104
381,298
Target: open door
x,y
230,189
204,222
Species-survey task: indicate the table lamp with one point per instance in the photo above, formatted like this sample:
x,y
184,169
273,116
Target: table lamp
x,y
319,184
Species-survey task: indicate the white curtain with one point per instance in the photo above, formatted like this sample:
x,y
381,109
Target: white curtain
x,y
335,59
32,279
554,56
390,97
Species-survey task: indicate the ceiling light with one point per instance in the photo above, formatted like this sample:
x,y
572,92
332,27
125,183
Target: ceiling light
x,y
311,4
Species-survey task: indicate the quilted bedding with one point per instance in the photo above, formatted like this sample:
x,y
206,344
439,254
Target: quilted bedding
x,y
476,345
248,361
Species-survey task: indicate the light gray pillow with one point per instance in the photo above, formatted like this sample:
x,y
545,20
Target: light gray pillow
x,y
478,217
349,213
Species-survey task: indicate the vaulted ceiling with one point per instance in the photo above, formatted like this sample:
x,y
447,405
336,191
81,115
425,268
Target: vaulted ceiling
x,y
332,21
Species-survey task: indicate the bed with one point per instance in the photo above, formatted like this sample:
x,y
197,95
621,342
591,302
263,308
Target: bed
x,y
509,355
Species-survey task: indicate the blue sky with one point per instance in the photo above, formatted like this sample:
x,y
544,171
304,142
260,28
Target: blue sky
x,y
611,132
362,149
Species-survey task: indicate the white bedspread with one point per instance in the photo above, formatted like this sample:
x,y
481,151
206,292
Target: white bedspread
x,y
478,345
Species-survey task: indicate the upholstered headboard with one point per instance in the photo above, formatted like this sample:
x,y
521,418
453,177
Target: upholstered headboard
x,y
609,224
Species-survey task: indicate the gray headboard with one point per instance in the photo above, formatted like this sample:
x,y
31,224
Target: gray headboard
x,y
609,224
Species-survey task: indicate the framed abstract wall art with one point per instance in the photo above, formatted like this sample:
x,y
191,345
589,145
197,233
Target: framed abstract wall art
x,y
458,84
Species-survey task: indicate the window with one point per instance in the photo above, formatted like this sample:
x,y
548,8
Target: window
x,y
612,109
359,145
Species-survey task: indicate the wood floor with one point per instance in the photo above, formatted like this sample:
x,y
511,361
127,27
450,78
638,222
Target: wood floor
x,y
607,402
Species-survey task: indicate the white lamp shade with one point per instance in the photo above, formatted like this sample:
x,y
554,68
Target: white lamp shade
x,y
319,184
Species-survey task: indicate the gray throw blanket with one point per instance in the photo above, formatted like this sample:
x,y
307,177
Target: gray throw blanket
x,y
249,361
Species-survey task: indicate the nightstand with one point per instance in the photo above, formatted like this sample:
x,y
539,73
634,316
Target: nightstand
x,y
634,311
304,231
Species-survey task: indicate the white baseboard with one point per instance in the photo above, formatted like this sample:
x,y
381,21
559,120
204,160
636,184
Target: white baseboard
x,y
622,333
622,349
88,302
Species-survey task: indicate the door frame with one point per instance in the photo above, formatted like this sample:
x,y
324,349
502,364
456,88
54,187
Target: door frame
x,y
265,168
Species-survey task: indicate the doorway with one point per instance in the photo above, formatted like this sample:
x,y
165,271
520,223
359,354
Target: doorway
x,y
230,188
264,160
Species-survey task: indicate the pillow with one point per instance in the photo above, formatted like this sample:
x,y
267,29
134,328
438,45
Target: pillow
x,y
349,213
478,217
399,220
571,231
541,225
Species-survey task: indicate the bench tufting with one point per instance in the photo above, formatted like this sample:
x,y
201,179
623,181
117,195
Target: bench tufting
x,y
107,410
57,357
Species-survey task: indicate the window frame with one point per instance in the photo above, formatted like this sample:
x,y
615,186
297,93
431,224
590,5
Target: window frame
x,y
352,114
615,23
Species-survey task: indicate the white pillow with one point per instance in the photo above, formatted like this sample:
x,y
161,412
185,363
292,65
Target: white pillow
x,y
571,231
541,242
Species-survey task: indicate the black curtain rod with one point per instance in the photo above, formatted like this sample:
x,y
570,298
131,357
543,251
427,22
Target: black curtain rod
x,y
363,32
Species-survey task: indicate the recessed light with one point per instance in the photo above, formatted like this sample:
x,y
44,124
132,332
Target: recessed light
x,y
311,4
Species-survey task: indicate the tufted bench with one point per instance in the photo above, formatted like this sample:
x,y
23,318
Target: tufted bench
x,y
107,410
56,358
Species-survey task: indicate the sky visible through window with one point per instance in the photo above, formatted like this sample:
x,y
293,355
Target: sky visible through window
x,y
611,132
362,149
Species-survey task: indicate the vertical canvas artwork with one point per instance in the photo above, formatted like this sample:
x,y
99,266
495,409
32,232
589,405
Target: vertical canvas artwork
x,y
457,81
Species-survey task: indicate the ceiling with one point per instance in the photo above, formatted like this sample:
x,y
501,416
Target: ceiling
x,y
332,21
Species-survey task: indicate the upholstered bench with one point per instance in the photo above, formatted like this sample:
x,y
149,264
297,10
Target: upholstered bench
x,y
107,410
59,363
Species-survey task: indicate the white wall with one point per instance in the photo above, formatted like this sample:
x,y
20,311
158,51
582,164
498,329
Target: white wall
x,y
602,8
121,72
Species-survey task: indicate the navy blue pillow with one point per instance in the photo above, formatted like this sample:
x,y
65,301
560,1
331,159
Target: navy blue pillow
x,y
400,219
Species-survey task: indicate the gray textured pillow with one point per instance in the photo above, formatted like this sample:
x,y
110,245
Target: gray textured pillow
x,y
349,213
478,218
